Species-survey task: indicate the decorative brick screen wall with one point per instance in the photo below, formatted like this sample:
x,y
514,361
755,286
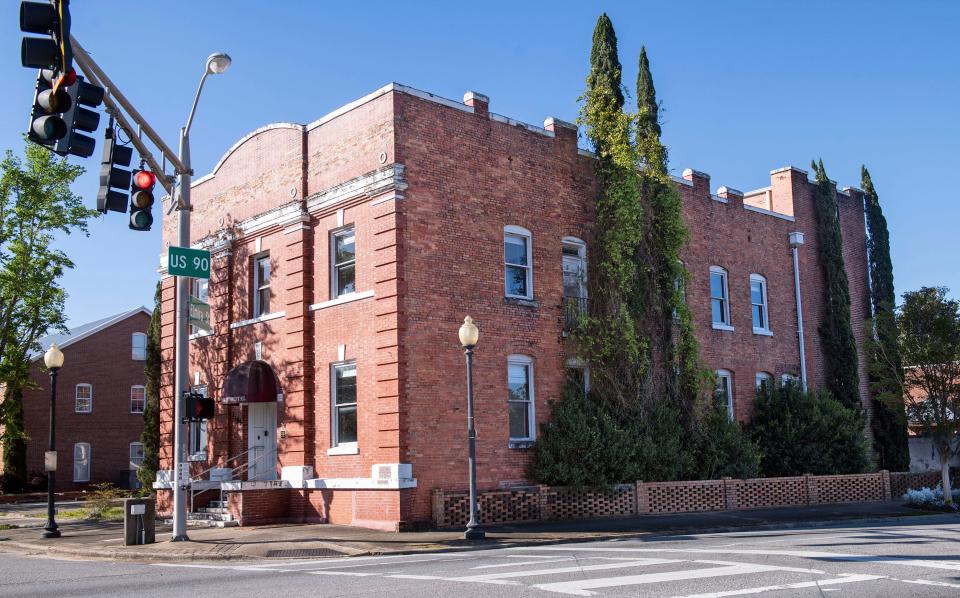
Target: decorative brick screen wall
x,y
902,481
542,503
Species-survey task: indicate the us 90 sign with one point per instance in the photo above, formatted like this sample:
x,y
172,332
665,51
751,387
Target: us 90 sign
x,y
192,263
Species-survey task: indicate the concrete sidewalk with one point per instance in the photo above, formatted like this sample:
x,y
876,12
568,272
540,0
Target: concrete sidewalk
x,y
104,540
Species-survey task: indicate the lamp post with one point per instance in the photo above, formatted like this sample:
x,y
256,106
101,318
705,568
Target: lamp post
x,y
216,64
53,359
469,334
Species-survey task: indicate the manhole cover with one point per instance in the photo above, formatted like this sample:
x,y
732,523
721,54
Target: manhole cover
x,y
303,553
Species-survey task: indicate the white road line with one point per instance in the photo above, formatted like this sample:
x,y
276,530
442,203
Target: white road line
x,y
852,578
518,563
929,582
346,573
810,554
552,559
559,570
581,587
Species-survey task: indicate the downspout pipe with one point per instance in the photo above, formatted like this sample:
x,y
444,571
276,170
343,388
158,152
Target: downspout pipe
x,y
796,241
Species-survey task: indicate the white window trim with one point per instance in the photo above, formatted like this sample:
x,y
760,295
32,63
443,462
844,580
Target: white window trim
x,y
727,377
342,448
334,279
726,299
519,232
263,318
531,405
256,283
144,398
133,345
764,331
346,298
763,376
89,461
133,466
76,409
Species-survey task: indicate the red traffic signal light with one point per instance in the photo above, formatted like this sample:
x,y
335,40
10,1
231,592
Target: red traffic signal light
x,y
141,199
144,179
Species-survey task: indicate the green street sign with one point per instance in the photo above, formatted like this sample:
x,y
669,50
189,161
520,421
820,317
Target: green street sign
x,y
192,263
199,314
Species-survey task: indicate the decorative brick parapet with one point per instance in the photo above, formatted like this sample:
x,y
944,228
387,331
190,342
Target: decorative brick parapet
x,y
543,503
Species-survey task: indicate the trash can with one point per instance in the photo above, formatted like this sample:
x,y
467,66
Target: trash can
x,y
139,521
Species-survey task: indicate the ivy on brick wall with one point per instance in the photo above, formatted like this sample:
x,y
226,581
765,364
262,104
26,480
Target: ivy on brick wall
x,y
836,330
649,397
889,419
150,437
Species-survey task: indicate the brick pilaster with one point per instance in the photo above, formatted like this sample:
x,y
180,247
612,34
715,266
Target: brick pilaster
x,y
297,419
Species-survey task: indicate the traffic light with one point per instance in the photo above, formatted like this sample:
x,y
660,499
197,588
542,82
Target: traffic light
x,y
141,199
77,117
46,123
53,19
111,175
199,407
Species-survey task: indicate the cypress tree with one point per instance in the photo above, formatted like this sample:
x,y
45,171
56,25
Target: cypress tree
x,y
889,421
605,66
648,115
150,437
836,330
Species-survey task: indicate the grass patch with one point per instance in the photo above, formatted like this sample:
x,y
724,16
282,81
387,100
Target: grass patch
x,y
104,514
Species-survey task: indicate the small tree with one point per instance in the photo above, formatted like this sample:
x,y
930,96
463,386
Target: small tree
x,y
150,437
929,326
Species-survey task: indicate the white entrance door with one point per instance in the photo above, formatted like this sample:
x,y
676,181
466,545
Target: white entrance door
x,y
262,441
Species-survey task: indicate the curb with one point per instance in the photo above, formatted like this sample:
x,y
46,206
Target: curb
x,y
182,556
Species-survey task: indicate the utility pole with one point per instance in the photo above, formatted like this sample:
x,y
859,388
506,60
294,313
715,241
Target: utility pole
x,y
114,99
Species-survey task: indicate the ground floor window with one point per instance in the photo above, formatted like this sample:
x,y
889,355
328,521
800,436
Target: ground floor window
x,y
81,462
136,455
724,391
520,397
344,403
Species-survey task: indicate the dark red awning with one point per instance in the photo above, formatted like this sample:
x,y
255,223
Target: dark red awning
x,y
251,382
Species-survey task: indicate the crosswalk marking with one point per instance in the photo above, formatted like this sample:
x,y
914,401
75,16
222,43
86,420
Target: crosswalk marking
x,y
581,587
519,563
559,570
852,578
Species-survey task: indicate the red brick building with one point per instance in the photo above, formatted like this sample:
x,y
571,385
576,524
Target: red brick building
x,y
100,401
346,253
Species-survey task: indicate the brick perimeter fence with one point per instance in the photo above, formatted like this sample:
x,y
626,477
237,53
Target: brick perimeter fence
x,y
542,503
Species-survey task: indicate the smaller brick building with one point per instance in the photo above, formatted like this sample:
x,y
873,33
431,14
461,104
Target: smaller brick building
x,y
100,401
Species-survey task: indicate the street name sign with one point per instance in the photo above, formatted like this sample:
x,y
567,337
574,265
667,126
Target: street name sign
x,y
192,263
199,314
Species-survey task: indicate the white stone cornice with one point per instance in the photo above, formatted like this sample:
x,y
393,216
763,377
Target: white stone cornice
x,y
383,180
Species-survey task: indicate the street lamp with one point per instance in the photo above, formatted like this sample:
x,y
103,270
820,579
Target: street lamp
x,y
469,335
53,359
216,64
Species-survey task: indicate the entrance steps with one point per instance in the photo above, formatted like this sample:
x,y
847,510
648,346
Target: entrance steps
x,y
215,514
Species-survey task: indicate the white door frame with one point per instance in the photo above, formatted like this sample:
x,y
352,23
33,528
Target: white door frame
x,y
262,441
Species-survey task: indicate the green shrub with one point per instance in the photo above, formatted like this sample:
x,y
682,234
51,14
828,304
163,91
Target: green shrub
x,y
101,500
801,432
724,449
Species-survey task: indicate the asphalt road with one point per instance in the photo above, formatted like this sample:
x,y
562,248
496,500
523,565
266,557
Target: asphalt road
x,y
842,560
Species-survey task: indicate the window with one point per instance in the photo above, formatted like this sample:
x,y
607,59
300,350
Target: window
x,y
574,280
758,304
139,342
136,455
518,274
344,404
197,433
724,391
81,462
520,397
138,399
84,398
261,286
719,302
578,374
200,290
791,379
344,266
764,381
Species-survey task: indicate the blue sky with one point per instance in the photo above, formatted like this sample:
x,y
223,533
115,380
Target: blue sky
x,y
746,86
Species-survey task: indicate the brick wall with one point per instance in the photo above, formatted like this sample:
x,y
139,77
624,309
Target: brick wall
x,y
104,361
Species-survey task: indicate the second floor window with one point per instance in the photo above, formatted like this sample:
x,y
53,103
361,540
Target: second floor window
x,y
719,298
758,303
344,266
84,398
139,342
518,273
261,286
138,399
